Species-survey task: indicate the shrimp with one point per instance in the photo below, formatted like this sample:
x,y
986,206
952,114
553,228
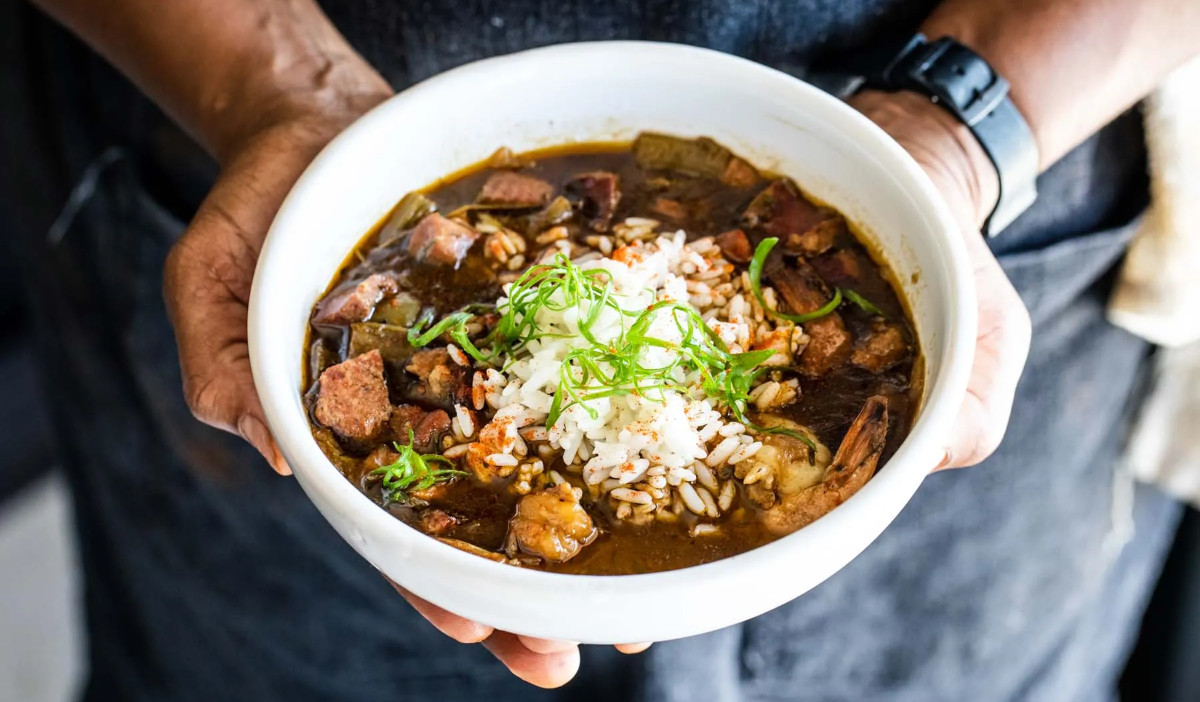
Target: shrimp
x,y
550,524
797,505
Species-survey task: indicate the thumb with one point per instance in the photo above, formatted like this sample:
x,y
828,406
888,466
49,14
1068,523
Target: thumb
x,y
208,310
208,273
206,285
1001,349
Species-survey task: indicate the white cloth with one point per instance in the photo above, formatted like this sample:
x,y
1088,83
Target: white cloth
x,y
1157,295
1165,447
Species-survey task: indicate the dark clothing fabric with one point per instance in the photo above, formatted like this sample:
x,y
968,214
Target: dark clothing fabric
x,y
208,578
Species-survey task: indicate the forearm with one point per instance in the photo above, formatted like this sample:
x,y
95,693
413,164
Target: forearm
x,y
225,69
1073,65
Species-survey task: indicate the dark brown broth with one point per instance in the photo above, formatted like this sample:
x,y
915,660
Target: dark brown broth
x,y
827,404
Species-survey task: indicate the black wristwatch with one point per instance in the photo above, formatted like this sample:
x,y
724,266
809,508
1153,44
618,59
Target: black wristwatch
x,y
963,83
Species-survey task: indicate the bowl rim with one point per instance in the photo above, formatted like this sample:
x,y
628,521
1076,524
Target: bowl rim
x,y
908,466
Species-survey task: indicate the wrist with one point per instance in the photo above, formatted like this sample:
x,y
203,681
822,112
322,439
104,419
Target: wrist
x,y
313,87
941,144
315,109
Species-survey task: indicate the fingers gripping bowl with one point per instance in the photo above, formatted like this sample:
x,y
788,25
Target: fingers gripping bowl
x,y
610,93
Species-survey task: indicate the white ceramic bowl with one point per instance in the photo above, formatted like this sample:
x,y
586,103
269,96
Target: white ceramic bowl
x,y
604,92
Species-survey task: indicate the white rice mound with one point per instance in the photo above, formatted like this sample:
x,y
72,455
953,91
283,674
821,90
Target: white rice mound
x,y
653,456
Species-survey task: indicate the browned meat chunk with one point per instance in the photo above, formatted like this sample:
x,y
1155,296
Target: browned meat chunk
x,y
883,347
427,428
443,382
828,345
405,417
435,522
356,303
739,174
818,239
770,205
515,189
735,246
383,455
842,267
671,209
804,292
550,524
353,397
802,227
429,431
601,193
798,283
441,241
852,465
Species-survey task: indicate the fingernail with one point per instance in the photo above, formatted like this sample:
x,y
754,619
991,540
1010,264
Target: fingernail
x,y
546,646
255,432
945,462
280,464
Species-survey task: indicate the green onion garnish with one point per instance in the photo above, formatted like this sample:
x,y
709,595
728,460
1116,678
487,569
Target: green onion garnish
x,y
863,303
616,367
417,338
755,272
412,470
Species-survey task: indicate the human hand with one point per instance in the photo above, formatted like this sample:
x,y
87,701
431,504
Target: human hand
x,y
207,289
966,178
542,662
207,275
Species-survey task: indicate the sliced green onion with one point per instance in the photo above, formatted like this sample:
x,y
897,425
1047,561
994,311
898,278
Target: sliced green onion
x,y
785,432
412,470
599,370
862,302
755,272
417,338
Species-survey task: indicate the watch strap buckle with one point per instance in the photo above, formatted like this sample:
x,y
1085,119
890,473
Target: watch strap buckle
x,y
957,77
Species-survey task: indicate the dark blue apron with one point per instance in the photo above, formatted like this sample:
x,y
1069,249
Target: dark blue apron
x,y
1022,579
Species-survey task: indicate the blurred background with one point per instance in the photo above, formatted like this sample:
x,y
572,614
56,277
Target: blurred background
x,y
41,627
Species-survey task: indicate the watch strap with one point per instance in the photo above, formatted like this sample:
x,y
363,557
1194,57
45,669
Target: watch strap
x,y
963,83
